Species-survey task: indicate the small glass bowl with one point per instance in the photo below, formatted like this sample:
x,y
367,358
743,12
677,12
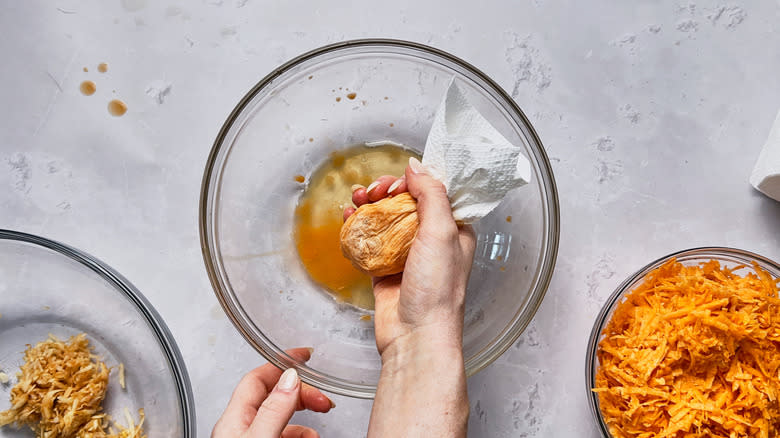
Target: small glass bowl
x,y
287,125
727,257
50,288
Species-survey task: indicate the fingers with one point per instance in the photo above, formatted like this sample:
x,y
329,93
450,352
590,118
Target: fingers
x,y
378,189
255,387
348,212
433,206
276,410
385,185
312,399
250,393
296,431
398,187
359,195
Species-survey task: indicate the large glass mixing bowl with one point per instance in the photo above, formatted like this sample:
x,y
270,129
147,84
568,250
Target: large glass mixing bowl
x,y
287,125
50,288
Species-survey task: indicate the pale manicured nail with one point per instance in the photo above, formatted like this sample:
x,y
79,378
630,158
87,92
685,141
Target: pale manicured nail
x,y
311,350
416,165
356,186
372,186
288,381
394,185
332,405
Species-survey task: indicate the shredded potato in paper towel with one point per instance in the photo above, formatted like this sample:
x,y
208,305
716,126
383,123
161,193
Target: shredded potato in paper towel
x,y
60,392
693,351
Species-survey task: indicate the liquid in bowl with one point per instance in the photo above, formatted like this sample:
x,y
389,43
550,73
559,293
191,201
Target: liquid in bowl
x,y
319,216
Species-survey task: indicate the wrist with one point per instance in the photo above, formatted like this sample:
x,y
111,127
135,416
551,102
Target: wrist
x,y
426,346
423,383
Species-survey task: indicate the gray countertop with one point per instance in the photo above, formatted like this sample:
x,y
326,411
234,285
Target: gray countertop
x,y
653,114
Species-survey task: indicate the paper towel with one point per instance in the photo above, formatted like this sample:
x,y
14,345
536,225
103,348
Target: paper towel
x,y
766,174
476,164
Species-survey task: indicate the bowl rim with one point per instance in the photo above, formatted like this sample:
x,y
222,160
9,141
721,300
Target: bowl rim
x,y
548,256
609,305
123,286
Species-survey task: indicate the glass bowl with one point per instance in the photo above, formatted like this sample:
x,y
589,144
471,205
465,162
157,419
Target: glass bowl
x,y
50,288
340,95
727,257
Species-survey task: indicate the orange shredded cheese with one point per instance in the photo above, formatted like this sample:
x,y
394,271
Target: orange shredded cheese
x,y
60,391
693,351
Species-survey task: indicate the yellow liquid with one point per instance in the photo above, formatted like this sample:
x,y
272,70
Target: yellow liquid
x,y
319,215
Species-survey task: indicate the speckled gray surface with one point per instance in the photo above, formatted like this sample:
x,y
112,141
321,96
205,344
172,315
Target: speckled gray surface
x,y
653,114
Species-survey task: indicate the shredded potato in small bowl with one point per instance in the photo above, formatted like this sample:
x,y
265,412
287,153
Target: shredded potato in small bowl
x,y
690,346
82,352
60,391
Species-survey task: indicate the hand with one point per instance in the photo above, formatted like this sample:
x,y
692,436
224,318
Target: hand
x,y
430,293
419,316
265,400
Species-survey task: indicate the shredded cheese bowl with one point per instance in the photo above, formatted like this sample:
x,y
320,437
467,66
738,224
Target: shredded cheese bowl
x,y
689,345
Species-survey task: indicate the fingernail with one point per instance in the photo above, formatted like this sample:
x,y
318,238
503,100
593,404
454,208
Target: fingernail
x,y
372,186
288,381
416,165
356,186
311,350
395,185
332,405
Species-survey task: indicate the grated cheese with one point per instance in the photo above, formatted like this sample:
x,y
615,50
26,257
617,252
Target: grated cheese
x,y
693,351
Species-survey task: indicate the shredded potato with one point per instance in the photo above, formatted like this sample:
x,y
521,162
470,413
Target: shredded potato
x,y
100,426
693,351
122,376
60,391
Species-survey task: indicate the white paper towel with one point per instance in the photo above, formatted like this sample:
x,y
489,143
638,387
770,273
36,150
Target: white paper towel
x,y
477,165
766,174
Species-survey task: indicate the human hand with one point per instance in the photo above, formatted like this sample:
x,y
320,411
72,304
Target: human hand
x,y
418,320
428,296
265,400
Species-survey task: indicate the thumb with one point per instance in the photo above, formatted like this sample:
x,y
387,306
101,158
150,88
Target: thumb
x,y
433,206
278,408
